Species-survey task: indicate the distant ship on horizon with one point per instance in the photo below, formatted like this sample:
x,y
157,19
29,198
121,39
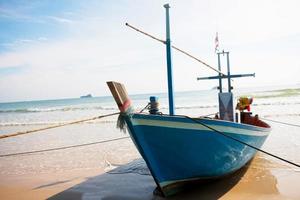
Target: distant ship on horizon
x,y
86,96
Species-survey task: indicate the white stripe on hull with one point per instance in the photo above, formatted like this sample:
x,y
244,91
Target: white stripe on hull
x,y
194,126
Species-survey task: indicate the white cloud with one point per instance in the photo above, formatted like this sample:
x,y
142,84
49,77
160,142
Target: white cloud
x,y
61,20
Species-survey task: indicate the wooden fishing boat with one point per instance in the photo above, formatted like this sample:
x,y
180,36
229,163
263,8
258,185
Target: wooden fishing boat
x,y
180,149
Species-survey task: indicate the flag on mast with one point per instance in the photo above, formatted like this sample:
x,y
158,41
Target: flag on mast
x,y
216,43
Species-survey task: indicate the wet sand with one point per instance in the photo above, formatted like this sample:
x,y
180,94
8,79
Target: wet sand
x,y
81,173
260,179
120,184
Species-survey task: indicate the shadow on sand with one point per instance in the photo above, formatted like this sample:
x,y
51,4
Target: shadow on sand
x,y
133,181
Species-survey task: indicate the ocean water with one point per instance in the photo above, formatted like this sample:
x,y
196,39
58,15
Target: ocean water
x,y
268,102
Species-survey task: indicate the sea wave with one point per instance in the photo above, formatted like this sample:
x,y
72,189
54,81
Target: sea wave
x,y
55,109
4,124
191,107
110,121
282,115
254,104
67,109
276,103
163,107
277,93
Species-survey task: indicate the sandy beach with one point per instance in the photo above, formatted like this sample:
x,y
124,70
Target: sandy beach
x,y
40,176
64,67
115,170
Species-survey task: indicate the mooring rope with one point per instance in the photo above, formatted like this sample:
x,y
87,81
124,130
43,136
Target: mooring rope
x,y
147,106
55,126
115,139
244,143
279,122
65,147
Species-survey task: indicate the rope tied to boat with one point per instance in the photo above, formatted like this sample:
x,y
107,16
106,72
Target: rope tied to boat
x,y
239,141
56,126
121,122
279,122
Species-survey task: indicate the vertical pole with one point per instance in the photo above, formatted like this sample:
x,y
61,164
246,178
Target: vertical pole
x,y
169,62
220,75
228,73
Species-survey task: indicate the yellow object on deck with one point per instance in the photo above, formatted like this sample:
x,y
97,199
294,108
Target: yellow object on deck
x,y
244,103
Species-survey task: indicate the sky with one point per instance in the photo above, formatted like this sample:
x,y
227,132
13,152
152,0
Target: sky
x,y
53,49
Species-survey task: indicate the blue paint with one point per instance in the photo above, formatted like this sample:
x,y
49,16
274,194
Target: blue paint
x,y
220,75
175,154
169,62
209,122
177,149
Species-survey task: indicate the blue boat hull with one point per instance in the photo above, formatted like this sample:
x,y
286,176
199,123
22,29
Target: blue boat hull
x,y
176,149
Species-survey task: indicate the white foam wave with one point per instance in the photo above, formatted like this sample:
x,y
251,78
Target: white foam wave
x,y
56,109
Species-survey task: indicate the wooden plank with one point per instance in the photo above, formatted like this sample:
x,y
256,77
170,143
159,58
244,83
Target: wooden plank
x,y
118,91
114,92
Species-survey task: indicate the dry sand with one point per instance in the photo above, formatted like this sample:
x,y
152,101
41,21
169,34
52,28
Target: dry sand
x,y
41,186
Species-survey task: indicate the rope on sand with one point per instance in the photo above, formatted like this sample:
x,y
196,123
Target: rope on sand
x,y
61,148
55,126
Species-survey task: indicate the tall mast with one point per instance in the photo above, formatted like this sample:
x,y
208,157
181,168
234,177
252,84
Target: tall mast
x,y
169,62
